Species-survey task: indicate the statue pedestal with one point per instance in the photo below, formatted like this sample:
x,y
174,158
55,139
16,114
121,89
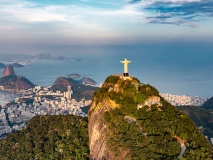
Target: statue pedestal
x,y
126,74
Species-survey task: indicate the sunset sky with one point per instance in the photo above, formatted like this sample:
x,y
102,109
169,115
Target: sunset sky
x,y
30,25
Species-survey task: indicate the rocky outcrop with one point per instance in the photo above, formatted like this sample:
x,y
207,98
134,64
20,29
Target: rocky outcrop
x,y
119,130
9,80
8,71
97,131
15,82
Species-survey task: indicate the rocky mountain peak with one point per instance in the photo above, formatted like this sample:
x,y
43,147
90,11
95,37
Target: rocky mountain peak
x,y
130,120
8,71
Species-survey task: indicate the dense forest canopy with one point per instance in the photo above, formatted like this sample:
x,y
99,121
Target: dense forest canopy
x,y
145,130
48,137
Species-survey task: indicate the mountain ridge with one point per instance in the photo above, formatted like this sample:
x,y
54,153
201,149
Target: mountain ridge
x,y
126,113
15,82
127,120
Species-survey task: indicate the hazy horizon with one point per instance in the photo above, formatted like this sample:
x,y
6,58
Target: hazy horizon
x,y
169,42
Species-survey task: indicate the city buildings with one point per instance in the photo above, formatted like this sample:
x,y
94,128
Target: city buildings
x,y
38,101
178,100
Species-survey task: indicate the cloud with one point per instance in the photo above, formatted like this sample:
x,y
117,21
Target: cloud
x,y
134,1
33,18
95,21
72,20
177,12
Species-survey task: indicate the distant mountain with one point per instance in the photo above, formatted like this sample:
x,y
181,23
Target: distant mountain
x,y
208,105
200,116
130,120
74,76
8,71
60,58
2,65
79,90
16,57
87,81
48,137
9,80
17,65
49,56
43,56
15,82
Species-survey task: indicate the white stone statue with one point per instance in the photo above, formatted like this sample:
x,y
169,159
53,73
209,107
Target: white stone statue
x,y
125,62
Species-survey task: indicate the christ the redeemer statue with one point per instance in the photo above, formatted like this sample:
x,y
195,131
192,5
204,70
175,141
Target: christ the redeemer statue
x,y
125,62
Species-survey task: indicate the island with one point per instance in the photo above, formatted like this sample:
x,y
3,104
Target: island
x,y
17,65
2,65
74,76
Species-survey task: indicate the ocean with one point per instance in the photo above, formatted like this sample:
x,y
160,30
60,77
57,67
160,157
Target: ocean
x,y
170,71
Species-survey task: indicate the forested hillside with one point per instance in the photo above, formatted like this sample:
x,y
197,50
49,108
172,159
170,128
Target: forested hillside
x,y
139,124
46,138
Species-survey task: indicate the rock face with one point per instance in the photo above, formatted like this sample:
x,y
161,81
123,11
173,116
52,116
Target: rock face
x,y
9,80
97,134
8,71
119,129
15,82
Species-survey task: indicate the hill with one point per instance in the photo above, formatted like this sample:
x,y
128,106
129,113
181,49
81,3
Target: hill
x,y
2,65
48,137
74,76
129,120
15,82
87,81
79,90
208,105
201,117
17,65
8,71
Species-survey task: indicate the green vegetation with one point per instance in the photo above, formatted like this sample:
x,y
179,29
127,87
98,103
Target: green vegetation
x,y
48,137
140,98
200,116
136,129
151,132
112,79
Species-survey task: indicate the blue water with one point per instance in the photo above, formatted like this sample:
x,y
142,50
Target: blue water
x,y
182,71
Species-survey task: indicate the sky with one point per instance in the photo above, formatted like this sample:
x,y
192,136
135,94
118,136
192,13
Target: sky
x,y
175,36
36,25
